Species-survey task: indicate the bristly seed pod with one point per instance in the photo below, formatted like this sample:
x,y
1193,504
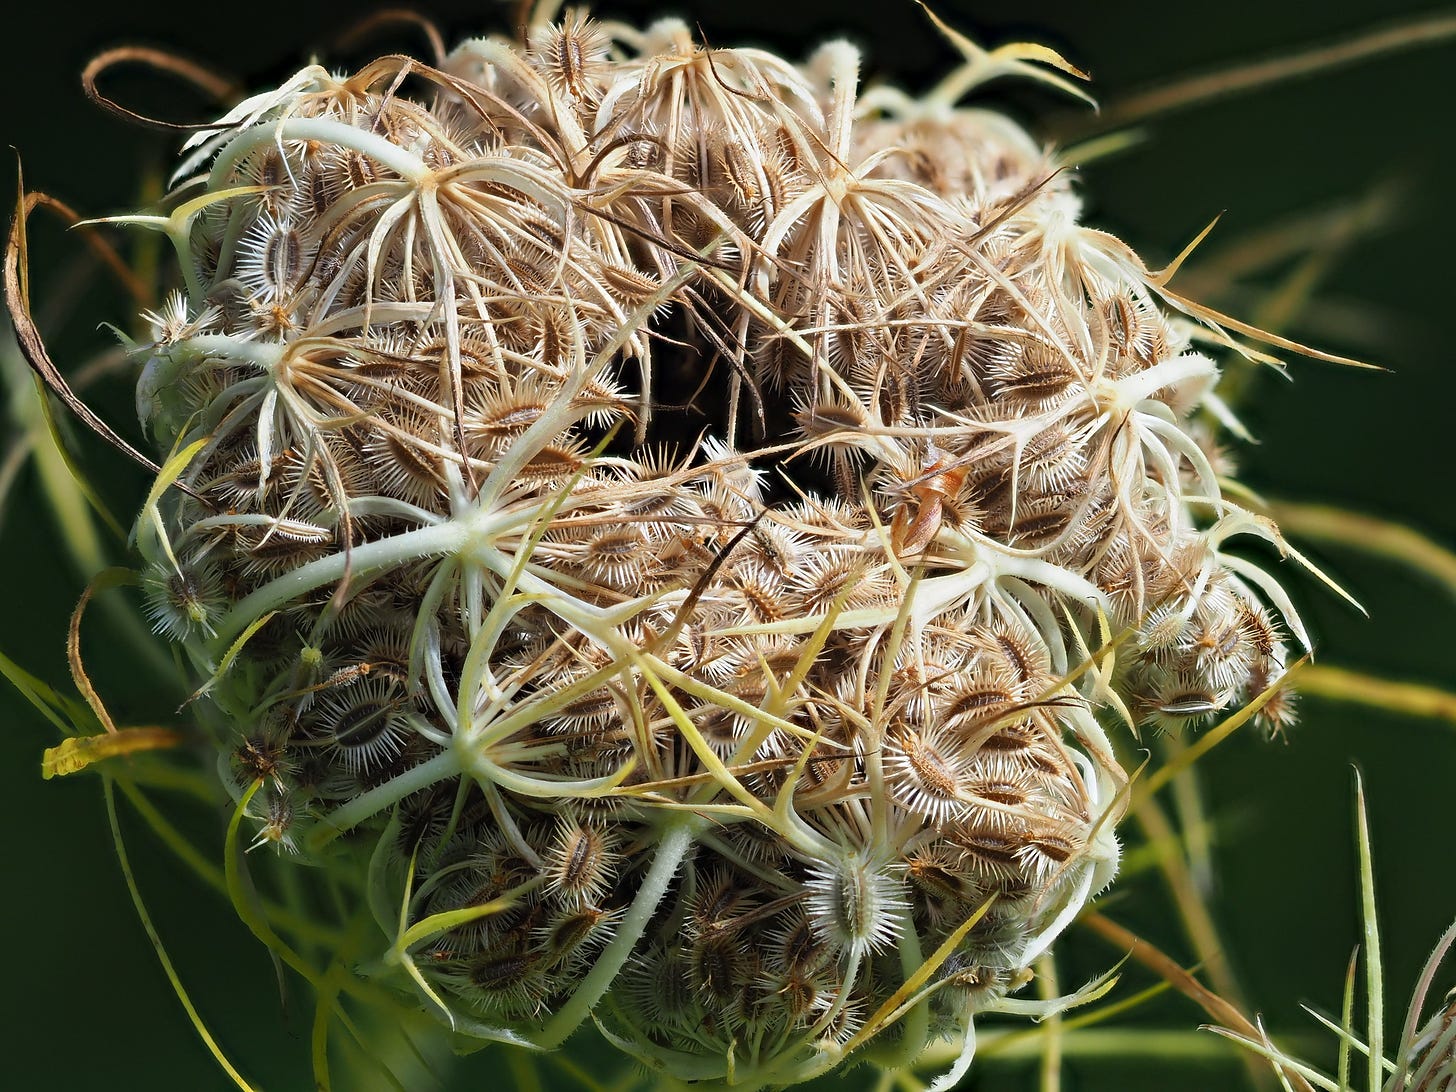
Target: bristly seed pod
x,y
580,862
856,904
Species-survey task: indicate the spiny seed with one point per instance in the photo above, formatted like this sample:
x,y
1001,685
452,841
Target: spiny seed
x,y
498,973
508,419
975,704
719,968
573,930
259,758
801,996
362,725
573,55
799,946
934,871
824,419
1188,703
996,855
1000,792
932,769
181,602
360,169
631,287
1037,373
819,588
1038,527
855,904
272,170
720,900
418,465
278,815
581,862
1258,628
1054,846
592,710
283,257
921,778
1018,653
551,462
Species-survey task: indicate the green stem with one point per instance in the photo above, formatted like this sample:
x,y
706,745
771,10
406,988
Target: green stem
x,y
156,939
1051,1059
384,554
677,836
442,766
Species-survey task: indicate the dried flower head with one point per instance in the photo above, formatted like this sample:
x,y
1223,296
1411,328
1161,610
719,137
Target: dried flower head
x,y
669,502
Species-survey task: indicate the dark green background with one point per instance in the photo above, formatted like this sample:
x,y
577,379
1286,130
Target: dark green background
x,y
84,1005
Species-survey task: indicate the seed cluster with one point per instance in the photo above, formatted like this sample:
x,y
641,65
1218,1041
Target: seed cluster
x,y
669,499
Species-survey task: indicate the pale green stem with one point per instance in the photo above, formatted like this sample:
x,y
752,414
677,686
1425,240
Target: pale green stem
x,y
915,1027
264,354
370,557
1051,1057
341,820
672,846
403,163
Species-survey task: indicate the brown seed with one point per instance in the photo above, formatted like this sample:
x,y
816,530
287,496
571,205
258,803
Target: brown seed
x,y
580,862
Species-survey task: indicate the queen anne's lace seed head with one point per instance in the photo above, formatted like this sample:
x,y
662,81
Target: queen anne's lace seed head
x,y
670,495
1432,1057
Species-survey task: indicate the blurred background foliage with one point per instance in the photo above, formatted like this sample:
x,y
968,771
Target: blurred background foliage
x,y
1353,166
